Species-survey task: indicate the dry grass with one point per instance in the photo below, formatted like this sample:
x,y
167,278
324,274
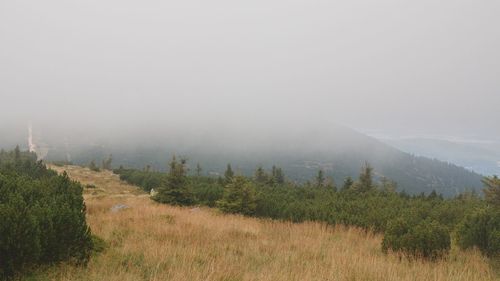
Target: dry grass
x,y
150,241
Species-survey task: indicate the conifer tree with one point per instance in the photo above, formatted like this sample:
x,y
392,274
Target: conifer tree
x,y
198,169
320,178
365,178
492,190
174,190
348,182
239,197
278,176
228,174
260,175
17,154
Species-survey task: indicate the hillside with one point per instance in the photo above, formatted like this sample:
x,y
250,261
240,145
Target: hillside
x,y
480,156
149,241
338,151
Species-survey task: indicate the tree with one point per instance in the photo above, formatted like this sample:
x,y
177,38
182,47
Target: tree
x,y
17,154
492,190
348,182
260,175
365,182
278,176
320,178
174,190
198,169
228,174
238,197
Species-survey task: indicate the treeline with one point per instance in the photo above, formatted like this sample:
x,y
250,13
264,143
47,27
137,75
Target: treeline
x,y
42,215
420,226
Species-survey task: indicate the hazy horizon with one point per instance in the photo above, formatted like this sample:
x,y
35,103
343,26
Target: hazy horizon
x,y
110,67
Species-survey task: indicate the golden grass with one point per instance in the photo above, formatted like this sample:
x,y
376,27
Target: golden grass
x,y
150,241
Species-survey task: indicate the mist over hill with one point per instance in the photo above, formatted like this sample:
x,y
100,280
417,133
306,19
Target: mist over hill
x,y
337,150
482,156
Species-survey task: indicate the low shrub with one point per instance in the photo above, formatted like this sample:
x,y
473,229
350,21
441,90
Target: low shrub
x,y
427,239
481,229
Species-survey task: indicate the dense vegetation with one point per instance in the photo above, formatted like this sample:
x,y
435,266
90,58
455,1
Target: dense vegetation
x,y
42,215
419,225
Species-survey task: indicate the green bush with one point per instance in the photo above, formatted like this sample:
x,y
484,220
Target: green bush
x,y
42,216
481,229
427,239
238,197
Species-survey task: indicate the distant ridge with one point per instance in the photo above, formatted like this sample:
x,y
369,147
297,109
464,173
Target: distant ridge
x,y
337,150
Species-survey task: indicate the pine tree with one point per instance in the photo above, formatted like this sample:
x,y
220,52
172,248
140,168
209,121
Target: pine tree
x,y
278,176
228,174
492,190
238,197
198,169
260,175
365,178
17,154
348,182
320,178
174,190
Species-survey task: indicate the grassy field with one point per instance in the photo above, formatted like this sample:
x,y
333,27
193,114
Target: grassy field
x,y
149,241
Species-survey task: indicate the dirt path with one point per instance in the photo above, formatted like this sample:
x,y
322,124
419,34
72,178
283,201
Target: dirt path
x,y
104,183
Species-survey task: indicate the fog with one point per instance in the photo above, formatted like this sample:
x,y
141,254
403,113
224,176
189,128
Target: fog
x,y
101,69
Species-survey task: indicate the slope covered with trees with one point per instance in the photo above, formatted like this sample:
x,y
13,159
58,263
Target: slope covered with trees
x,y
337,151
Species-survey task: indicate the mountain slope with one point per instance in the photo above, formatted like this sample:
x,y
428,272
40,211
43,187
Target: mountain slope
x,y
339,151
150,241
482,157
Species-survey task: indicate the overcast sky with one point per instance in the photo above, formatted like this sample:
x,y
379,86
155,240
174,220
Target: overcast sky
x,y
395,66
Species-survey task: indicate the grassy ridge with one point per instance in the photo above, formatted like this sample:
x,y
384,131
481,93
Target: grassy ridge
x,y
150,241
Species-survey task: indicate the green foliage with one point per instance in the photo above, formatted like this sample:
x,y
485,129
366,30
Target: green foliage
x,y
492,190
277,176
238,197
427,239
320,178
365,182
198,170
261,176
42,215
481,229
175,190
348,182
228,174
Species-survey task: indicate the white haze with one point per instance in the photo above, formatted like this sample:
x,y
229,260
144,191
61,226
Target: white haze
x,y
115,69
